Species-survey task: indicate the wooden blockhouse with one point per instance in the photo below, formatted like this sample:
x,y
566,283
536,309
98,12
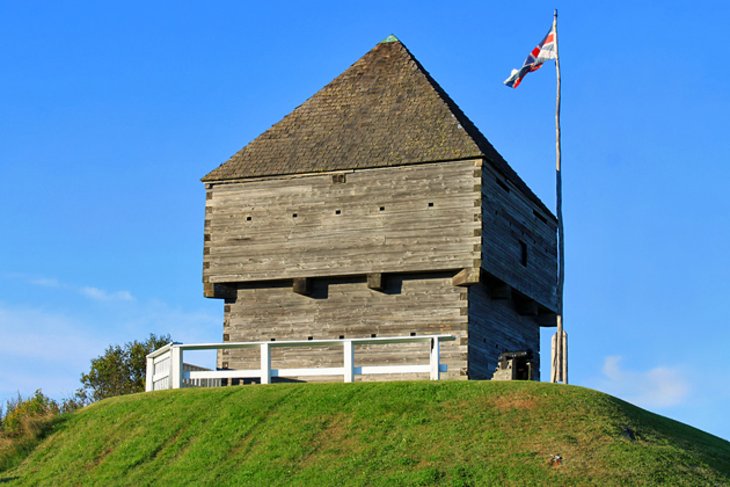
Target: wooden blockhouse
x,y
377,208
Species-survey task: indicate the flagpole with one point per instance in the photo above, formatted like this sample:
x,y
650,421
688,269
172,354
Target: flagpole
x,y
560,343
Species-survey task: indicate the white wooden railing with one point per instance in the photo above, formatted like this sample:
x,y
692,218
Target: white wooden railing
x,y
167,370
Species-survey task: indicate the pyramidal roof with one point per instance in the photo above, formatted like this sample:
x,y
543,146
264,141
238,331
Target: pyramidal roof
x,y
384,110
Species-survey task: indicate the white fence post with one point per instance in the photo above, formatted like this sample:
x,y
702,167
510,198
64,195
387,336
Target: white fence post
x,y
349,356
149,384
265,363
176,367
166,369
434,358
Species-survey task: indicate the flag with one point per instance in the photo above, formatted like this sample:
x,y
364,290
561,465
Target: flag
x,y
546,50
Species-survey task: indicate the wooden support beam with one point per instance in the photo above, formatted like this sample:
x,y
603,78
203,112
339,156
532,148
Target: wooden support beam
x,y
500,290
223,291
302,285
546,318
376,281
467,277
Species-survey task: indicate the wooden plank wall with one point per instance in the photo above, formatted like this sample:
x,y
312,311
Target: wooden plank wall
x,y
495,327
399,219
509,218
345,307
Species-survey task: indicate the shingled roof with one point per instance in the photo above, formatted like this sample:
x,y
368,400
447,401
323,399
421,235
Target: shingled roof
x,y
384,110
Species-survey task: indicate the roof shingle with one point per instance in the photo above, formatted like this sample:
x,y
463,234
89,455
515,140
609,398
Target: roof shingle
x,y
384,110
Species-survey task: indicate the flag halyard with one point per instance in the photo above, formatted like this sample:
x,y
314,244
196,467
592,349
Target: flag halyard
x,y
544,51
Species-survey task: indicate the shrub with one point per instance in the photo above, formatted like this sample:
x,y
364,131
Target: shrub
x,y
27,417
24,424
121,370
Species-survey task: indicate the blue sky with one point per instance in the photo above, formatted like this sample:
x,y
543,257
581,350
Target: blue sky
x,y
112,112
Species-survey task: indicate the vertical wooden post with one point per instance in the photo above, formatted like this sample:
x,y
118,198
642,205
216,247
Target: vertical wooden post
x,y
176,367
559,368
265,363
435,357
349,360
565,357
149,384
553,357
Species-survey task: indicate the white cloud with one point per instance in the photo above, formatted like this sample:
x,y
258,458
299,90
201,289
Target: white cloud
x,y
659,387
49,346
102,295
90,292
45,282
42,349
38,335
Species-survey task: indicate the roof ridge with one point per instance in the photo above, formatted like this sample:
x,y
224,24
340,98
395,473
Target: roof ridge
x,y
384,110
486,149
458,113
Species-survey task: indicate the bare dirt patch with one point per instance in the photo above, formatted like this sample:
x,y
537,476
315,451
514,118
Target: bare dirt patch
x,y
505,403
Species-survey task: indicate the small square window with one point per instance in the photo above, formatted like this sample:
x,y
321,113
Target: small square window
x,y
502,184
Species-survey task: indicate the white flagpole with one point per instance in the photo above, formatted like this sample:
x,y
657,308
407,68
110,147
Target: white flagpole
x,y
560,340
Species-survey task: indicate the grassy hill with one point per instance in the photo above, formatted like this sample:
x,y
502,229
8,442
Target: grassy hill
x,y
397,433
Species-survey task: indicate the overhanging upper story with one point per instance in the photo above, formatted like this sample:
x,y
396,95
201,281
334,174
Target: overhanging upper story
x,y
379,172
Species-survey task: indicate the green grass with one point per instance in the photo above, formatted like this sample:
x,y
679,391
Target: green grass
x,y
396,433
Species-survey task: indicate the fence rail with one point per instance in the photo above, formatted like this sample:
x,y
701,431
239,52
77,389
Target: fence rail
x,y
167,370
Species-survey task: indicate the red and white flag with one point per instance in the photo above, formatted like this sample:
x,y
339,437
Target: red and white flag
x,y
546,50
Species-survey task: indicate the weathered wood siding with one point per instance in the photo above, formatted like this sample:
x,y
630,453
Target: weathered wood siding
x,y
495,327
345,307
401,219
511,220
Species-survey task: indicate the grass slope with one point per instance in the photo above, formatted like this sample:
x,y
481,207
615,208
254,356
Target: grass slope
x,y
397,433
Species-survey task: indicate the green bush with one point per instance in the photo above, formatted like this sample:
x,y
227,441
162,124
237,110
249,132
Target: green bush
x,y
24,423
27,417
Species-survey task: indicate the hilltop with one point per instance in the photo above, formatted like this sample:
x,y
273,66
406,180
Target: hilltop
x,y
395,433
